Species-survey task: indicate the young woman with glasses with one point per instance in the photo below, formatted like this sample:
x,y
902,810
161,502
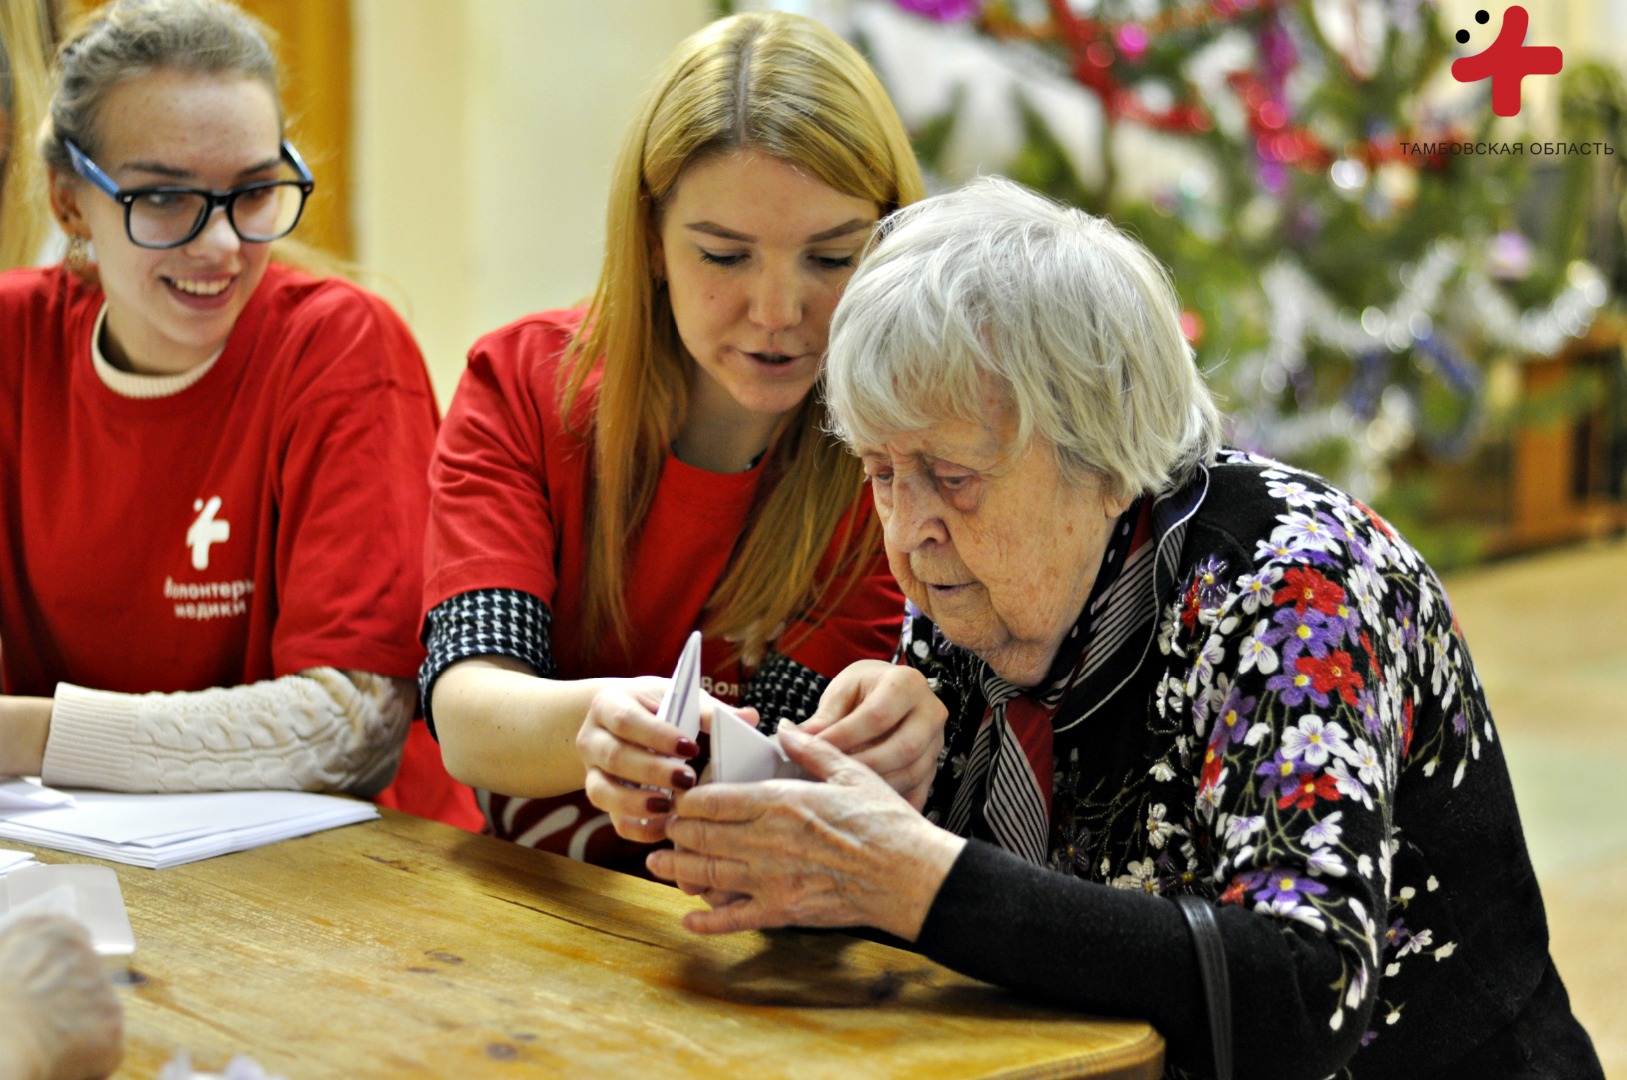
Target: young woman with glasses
x,y
612,478
212,465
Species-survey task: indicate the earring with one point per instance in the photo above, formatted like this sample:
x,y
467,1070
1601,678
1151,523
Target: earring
x,y
77,258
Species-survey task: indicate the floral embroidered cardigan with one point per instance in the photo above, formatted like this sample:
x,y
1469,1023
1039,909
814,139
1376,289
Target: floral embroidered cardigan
x,y
1301,737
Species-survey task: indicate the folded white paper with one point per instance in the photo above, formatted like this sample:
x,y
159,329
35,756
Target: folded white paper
x,y
740,753
89,894
681,705
160,831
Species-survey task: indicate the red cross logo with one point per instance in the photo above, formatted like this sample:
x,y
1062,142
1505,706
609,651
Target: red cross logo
x,y
1507,60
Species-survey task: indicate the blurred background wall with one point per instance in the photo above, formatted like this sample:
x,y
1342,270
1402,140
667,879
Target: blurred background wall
x,y
484,132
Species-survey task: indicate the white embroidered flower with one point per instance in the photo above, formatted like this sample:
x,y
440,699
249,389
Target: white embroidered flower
x,y
1348,784
1272,550
1209,655
1325,832
1418,942
1161,771
1446,950
1285,908
1254,654
1158,830
1358,988
1239,828
1293,493
1142,875
1325,861
1312,740
1363,755
1304,532
1257,589
1211,797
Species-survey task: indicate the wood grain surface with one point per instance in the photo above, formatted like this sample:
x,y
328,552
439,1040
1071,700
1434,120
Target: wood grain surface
x,y
406,948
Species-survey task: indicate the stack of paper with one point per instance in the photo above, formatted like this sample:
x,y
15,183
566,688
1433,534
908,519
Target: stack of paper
x,y
159,831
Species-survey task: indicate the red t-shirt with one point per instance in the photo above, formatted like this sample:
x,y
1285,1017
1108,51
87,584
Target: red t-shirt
x,y
508,490
265,520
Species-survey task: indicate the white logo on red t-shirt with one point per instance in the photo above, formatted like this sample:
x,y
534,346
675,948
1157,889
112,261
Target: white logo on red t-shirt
x,y
206,530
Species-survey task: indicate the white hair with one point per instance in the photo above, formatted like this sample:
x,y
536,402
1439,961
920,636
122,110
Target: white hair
x,y
993,286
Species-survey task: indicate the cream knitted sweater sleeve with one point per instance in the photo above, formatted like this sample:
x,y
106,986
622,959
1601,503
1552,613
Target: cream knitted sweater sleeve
x,y
320,730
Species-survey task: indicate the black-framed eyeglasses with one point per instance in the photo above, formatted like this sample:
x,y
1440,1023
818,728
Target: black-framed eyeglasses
x,y
168,216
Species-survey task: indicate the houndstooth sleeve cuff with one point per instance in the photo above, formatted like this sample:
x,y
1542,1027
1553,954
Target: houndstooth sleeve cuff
x,y
485,622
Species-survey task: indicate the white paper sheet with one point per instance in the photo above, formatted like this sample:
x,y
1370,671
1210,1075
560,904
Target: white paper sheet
x,y
24,793
159,831
15,860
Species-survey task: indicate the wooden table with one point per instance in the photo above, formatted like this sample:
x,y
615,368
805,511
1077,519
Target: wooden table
x,y
406,948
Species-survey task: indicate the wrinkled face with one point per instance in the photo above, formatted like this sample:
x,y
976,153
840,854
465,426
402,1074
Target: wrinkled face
x,y
755,254
168,311
1000,551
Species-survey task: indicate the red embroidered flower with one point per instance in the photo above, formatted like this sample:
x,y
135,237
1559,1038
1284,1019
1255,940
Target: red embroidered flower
x,y
1234,892
1372,659
1308,790
1213,763
1189,607
1304,587
1332,672
1406,726
1378,523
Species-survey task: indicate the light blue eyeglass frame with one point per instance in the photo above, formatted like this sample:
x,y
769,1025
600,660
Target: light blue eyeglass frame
x,y
93,174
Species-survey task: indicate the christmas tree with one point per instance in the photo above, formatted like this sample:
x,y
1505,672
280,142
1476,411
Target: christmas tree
x,y
1342,218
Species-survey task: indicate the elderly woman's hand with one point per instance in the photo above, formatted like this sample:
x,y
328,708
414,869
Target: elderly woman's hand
x,y
846,852
635,761
886,717
61,1017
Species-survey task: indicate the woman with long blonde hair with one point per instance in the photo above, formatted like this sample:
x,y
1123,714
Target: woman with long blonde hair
x,y
611,478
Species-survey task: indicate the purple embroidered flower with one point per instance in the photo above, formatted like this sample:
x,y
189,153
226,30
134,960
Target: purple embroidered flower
x,y
1287,887
1232,722
1408,625
1281,776
1211,581
1368,708
942,10
1296,687
1459,724
1397,935
1299,632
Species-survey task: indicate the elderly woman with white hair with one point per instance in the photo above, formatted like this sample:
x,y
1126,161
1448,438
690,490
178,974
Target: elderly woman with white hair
x,y
1171,671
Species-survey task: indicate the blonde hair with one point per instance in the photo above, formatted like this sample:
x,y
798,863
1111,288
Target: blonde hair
x,y
28,34
1075,323
788,87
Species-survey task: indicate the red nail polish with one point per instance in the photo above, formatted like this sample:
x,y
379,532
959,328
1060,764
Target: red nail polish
x,y
687,748
659,804
683,779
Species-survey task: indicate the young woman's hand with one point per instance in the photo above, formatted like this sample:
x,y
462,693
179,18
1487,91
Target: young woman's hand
x,y
634,761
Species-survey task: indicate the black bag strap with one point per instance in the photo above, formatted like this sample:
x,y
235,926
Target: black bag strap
x,y
1217,989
